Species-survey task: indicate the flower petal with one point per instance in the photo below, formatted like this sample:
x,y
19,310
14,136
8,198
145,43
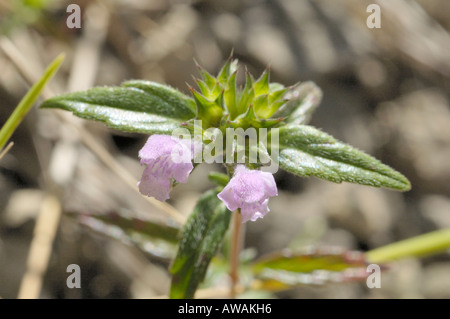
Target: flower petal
x,y
253,211
156,146
166,158
154,186
181,172
249,190
226,196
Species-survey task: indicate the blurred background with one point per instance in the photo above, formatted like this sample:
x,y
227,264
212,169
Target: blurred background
x,y
386,92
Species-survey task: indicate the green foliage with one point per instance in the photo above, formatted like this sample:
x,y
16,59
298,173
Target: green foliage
x,y
136,106
222,104
148,107
22,12
313,266
423,245
307,151
302,100
149,227
27,102
156,239
200,240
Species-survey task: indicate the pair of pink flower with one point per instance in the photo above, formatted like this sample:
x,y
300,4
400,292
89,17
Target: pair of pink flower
x,y
168,158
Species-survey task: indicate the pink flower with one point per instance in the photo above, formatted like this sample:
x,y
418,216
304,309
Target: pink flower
x,y
249,190
167,158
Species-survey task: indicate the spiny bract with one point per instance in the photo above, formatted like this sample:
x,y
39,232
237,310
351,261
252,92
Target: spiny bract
x,y
221,104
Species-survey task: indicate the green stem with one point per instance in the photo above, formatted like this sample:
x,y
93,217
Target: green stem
x,y
27,102
434,242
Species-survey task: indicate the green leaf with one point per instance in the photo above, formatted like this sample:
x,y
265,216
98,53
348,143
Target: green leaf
x,y
209,80
247,94
179,101
313,266
219,178
156,239
200,240
27,101
323,258
261,85
230,95
307,151
136,106
302,101
127,222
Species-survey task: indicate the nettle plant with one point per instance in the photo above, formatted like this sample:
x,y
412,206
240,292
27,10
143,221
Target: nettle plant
x,y
252,129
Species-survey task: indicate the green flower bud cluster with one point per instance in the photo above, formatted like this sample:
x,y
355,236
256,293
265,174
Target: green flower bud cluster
x,y
220,103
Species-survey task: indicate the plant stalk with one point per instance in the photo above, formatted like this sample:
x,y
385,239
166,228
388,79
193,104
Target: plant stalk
x,y
236,246
422,245
27,102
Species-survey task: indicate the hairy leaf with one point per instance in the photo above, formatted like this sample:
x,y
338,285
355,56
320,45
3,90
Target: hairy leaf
x,y
152,228
307,151
302,101
156,239
136,106
200,240
314,266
